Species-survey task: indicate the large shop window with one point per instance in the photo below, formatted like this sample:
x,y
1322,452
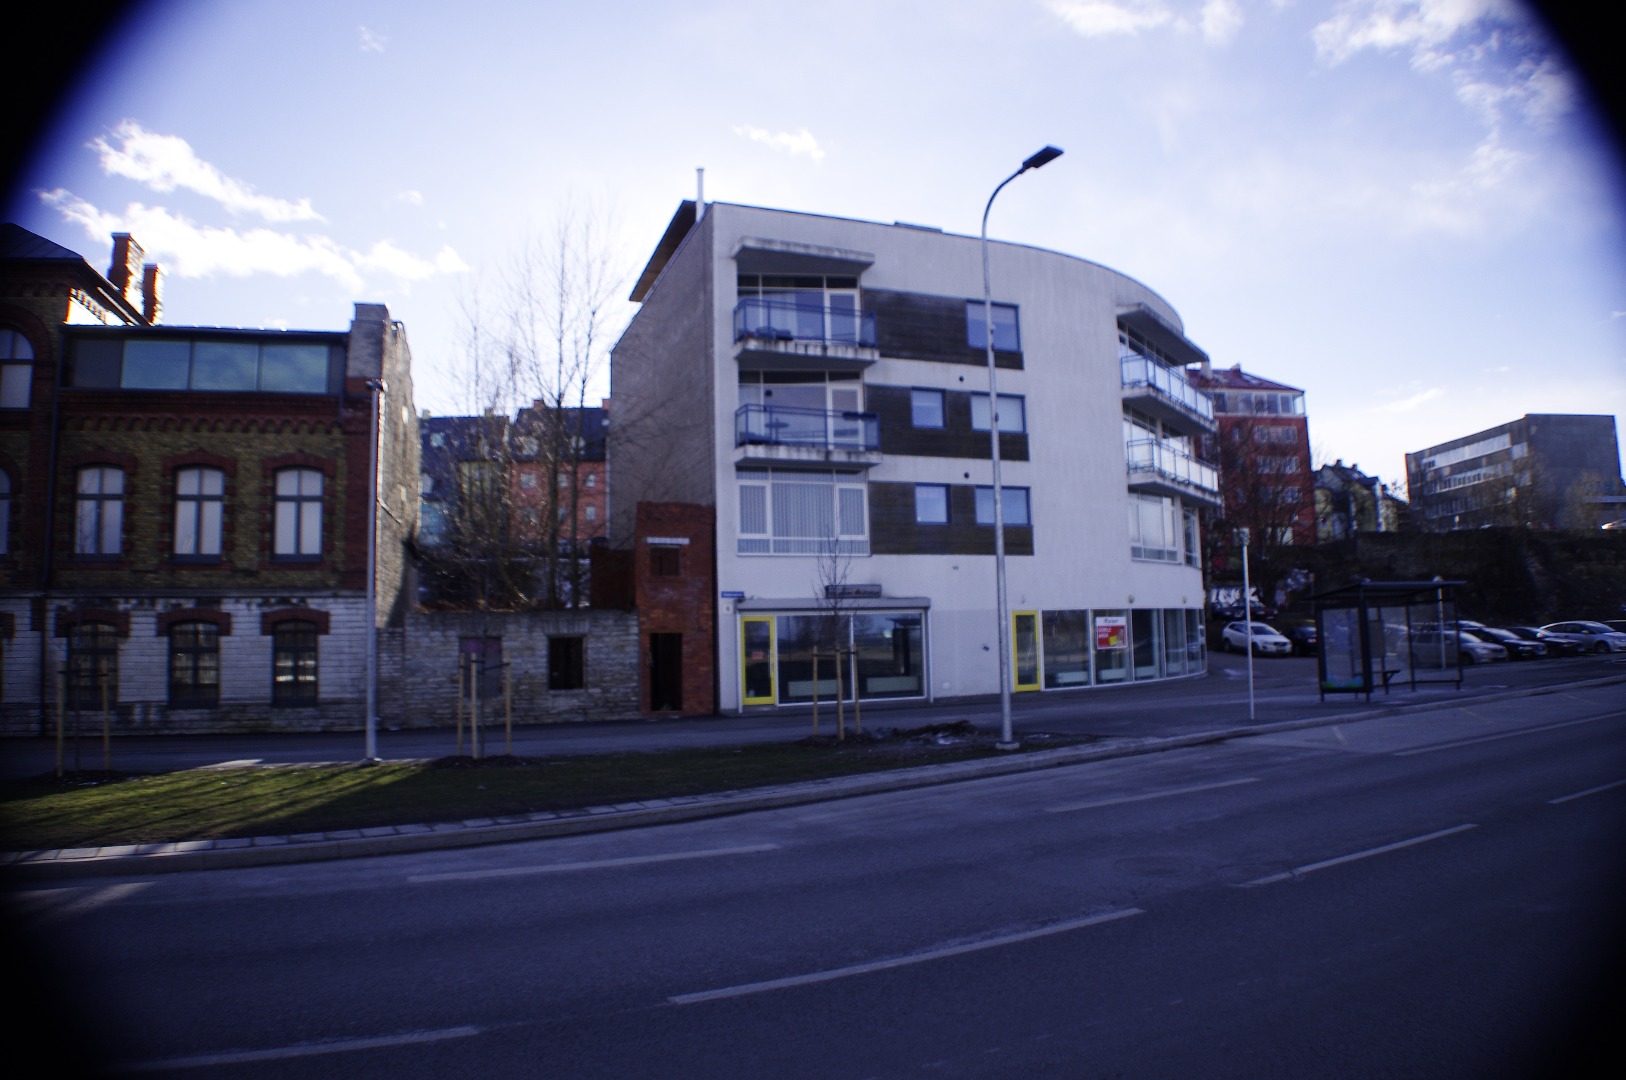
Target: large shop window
x,y
293,663
93,666
887,657
194,665
99,511
200,504
786,512
1006,337
298,526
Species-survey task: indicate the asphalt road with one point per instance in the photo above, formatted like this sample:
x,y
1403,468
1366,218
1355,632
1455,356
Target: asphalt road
x,y
1433,894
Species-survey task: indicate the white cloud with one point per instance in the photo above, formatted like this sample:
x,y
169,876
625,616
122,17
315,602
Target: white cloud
x,y
166,162
190,250
1421,25
370,42
1220,21
1412,403
800,142
1104,18
410,197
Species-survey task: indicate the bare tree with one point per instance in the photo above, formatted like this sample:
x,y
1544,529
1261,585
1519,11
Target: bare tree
x,y
1268,490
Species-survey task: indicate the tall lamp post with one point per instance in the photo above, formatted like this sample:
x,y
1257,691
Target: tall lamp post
x,y
1006,742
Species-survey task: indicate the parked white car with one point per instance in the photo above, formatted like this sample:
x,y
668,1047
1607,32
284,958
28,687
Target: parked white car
x,y
1590,636
1263,638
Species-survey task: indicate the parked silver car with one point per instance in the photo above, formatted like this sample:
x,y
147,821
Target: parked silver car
x,y
1261,637
1591,636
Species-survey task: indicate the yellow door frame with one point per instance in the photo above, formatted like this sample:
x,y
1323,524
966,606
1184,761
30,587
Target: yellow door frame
x,y
1016,678
745,659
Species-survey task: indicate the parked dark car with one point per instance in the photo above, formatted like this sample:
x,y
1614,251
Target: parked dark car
x,y
1518,648
1555,646
1304,638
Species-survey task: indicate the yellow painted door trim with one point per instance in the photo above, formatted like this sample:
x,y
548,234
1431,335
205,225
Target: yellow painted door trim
x,y
1034,674
746,660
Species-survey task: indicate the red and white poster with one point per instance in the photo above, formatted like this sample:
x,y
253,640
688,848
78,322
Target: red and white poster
x,y
1111,632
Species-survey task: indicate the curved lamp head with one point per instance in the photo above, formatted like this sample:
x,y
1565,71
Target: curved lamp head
x,y
1043,157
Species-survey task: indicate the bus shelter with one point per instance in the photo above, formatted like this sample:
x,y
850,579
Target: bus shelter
x,y
1375,633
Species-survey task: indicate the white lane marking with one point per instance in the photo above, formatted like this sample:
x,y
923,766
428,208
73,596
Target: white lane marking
x,y
597,864
1150,795
280,1053
42,904
1502,735
1297,871
1584,794
900,961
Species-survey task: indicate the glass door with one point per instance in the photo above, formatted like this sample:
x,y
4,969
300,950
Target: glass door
x,y
757,660
1025,650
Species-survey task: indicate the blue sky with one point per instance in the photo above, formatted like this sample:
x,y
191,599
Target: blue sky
x,y
1405,207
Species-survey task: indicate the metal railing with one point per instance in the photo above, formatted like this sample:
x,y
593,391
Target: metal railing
x,y
1140,371
786,320
780,425
1154,455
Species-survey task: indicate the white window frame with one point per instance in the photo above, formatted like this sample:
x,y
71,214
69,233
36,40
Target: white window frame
x,y
1013,414
99,511
297,530
768,501
200,510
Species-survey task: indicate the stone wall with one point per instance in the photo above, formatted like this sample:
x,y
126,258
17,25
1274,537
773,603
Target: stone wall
x,y
418,666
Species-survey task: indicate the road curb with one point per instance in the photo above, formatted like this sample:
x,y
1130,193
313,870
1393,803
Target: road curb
x,y
141,859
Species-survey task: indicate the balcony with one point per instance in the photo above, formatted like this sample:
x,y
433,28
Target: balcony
x,y
781,435
1163,392
785,334
1158,468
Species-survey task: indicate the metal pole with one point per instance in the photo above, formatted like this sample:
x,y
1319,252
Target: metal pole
x,y
1247,607
1002,607
370,750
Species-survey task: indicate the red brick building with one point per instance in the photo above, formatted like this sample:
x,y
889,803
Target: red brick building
x,y
187,520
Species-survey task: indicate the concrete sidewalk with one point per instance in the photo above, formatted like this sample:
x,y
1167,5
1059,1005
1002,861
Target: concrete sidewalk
x,y
273,850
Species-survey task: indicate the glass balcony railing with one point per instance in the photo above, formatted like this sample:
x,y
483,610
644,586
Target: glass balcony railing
x,y
786,320
1141,371
1169,463
779,425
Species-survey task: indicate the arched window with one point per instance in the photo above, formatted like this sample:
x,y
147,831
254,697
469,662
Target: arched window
x,y
200,503
16,368
298,526
93,665
194,665
99,511
293,663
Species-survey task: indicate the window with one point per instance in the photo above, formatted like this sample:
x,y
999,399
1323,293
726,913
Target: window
x,y
5,514
565,670
1013,417
931,504
591,513
99,511
297,532
194,665
1006,337
1153,535
527,480
209,364
93,665
665,561
1016,505
592,480
16,369
784,512
200,501
293,663
926,408
1194,552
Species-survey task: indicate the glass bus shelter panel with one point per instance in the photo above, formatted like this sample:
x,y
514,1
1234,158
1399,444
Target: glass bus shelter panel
x,y
1435,655
1342,669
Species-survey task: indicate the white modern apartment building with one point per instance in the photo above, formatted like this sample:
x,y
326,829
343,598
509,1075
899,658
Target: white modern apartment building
x,y
822,383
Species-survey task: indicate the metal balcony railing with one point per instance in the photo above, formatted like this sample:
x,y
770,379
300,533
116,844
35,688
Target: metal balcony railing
x,y
786,320
1140,371
777,425
1155,456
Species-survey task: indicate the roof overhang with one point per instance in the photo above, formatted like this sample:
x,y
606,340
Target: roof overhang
x,y
1146,322
758,255
671,240
816,604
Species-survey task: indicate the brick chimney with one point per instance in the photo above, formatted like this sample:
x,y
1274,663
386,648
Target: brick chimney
x,y
152,293
125,273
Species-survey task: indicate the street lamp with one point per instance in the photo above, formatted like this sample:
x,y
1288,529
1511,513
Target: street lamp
x,y
1006,742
